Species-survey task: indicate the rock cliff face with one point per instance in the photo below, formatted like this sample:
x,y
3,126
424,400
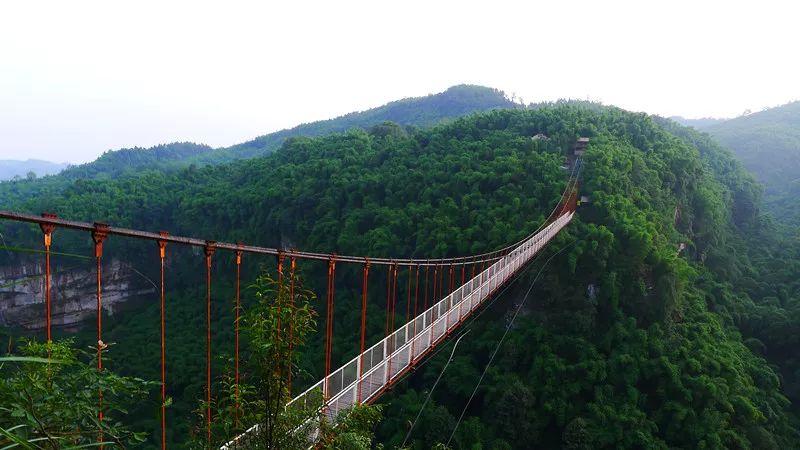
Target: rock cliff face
x,y
73,293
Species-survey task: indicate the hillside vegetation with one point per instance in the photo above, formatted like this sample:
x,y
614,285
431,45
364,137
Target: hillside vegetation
x,y
669,322
768,144
417,112
425,111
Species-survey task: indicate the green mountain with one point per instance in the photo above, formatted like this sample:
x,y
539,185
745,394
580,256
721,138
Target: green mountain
x,y
411,112
425,111
114,163
670,318
697,123
9,169
419,112
768,144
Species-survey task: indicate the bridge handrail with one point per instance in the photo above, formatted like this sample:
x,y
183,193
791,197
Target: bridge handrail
x,y
382,373
491,256
347,394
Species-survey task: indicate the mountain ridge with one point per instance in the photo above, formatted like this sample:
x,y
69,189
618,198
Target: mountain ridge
x,y
642,330
11,168
420,111
768,144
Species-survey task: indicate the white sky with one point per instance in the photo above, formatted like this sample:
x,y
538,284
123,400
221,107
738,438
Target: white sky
x,y
79,78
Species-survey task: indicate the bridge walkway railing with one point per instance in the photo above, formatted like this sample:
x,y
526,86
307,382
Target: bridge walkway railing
x,y
364,377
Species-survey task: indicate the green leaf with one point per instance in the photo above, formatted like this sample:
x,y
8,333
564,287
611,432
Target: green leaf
x,y
17,441
31,359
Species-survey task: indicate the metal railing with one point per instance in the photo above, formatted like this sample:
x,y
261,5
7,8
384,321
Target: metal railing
x,y
364,377
386,360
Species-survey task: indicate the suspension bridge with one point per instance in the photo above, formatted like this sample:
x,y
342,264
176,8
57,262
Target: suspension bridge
x,y
370,373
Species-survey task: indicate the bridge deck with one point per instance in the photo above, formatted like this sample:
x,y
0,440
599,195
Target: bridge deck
x,y
367,375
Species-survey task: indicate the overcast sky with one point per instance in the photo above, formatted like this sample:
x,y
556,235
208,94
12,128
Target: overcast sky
x,y
79,78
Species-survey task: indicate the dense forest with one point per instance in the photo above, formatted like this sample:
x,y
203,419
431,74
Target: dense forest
x,y
418,112
670,319
768,144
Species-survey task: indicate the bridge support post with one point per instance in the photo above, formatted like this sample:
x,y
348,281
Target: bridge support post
x,y
386,365
162,253
99,235
365,280
47,231
209,250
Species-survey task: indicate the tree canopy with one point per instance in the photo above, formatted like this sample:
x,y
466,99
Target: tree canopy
x,y
669,323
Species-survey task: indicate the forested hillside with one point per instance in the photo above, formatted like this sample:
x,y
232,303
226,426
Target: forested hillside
x,y
768,144
114,163
670,321
697,123
418,112
425,111
629,341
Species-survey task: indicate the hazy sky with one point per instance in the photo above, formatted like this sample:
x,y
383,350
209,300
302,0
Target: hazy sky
x,y
79,78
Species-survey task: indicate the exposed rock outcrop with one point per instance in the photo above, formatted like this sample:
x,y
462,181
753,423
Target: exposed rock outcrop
x,y
73,293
